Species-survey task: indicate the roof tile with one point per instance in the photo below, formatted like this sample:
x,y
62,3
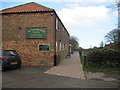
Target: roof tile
x,y
29,7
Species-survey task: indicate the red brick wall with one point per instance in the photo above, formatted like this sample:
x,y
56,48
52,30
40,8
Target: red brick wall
x,y
14,37
63,37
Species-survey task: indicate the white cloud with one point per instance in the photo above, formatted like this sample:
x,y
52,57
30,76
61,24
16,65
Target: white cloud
x,y
100,30
86,0
85,16
100,1
115,13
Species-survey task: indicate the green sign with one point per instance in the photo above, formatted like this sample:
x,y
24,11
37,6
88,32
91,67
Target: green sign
x,y
36,32
44,48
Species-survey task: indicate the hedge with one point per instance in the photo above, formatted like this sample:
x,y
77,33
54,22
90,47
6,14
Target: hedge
x,y
103,57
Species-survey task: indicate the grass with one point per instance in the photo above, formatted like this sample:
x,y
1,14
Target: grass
x,y
96,68
82,59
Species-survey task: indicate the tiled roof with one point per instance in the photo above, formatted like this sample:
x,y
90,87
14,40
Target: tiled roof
x,y
29,7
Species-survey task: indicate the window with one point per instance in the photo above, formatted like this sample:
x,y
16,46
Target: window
x,y
66,47
56,24
44,47
60,46
63,47
63,29
8,53
56,46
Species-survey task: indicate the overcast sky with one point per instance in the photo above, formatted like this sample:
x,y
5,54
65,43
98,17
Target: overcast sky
x,y
88,20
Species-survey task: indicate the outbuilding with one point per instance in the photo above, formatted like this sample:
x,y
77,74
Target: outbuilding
x,y
36,33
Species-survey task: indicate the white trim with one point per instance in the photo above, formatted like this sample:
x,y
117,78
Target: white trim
x,y
56,46
60,44
56,23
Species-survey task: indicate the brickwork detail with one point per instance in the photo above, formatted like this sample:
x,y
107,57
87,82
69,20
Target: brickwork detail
x,y
14,37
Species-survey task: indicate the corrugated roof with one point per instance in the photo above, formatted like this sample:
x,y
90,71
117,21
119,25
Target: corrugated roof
x,y
29,7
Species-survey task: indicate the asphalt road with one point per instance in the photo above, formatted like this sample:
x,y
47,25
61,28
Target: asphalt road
x,y
34,77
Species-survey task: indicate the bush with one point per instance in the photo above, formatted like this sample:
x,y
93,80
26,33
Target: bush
x,y
103,57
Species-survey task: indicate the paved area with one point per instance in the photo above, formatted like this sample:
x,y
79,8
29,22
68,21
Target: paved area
x,y
34,77
70,67
103,76
68,74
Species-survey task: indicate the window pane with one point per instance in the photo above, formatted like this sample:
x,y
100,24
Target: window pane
x,y
60,46
56,46
56,24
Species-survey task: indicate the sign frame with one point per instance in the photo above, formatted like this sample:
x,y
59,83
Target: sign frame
x,y
29,35
42,50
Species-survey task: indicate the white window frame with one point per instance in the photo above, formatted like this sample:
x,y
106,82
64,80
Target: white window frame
x,y
63,47
60,46
66,46
56,23
56,46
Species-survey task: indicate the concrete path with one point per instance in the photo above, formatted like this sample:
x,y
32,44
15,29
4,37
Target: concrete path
x,y
69,67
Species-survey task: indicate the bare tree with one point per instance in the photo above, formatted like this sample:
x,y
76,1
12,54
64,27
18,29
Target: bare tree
x,y
102,44
118,41
111,37
114,37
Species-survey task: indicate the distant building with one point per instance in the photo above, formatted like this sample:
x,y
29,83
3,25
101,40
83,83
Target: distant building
x,y
111,45
36,33
84,52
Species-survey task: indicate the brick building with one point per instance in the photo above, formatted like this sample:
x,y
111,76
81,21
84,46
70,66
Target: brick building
x,y
36,33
